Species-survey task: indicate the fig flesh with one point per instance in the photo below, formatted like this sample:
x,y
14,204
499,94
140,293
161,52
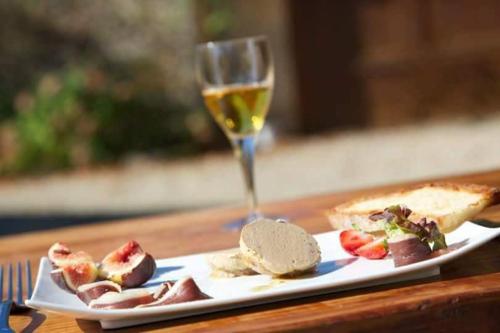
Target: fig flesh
x,y
129,298
60,255
72,276
91,291
58,252
129,266
184,290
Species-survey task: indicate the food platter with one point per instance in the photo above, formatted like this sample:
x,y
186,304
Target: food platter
x,y
337,271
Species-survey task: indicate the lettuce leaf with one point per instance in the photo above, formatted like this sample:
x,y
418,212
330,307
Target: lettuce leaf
x,y
397,223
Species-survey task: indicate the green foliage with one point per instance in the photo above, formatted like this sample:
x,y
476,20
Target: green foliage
x,y
74,94
80,116
219,19
45,123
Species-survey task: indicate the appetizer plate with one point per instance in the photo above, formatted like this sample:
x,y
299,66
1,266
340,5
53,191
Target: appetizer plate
x,y
337,271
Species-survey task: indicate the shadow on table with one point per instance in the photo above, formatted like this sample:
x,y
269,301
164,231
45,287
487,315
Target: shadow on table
x,y
37,319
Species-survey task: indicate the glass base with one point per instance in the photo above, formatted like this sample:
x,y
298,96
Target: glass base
x,y
237,225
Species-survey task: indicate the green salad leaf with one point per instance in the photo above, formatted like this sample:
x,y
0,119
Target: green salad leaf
x,y
397,223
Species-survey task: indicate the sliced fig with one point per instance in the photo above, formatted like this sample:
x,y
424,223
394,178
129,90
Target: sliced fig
x,y
70,277
60,255
409,250
58,278
90,291
129,265
58,252
129,298
184,290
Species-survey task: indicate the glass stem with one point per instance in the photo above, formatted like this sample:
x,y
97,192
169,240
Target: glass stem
x,y
244,149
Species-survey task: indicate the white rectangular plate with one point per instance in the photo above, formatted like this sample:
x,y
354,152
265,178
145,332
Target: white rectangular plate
x,y
337,271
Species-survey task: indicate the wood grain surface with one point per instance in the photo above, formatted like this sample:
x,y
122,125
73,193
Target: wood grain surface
x,y
464,298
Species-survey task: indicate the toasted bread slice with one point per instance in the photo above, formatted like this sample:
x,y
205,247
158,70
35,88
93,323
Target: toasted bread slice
x,y
446,203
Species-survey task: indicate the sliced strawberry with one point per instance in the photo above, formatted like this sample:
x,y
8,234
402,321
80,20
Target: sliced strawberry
x,y
374,250
353,239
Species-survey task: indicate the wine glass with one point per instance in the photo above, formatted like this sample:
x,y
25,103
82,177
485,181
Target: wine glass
x,y
236,78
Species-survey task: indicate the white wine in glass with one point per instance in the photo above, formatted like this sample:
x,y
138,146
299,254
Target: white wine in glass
x,y
236,78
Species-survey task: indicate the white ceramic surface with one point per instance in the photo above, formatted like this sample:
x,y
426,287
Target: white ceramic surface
x,y
337,271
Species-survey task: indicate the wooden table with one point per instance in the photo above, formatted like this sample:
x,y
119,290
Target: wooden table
x,y
464,298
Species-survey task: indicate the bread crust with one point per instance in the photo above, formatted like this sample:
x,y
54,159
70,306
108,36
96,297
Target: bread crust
x,y
341,218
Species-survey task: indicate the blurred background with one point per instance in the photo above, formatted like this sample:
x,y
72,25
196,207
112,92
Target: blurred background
x,y
101,117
